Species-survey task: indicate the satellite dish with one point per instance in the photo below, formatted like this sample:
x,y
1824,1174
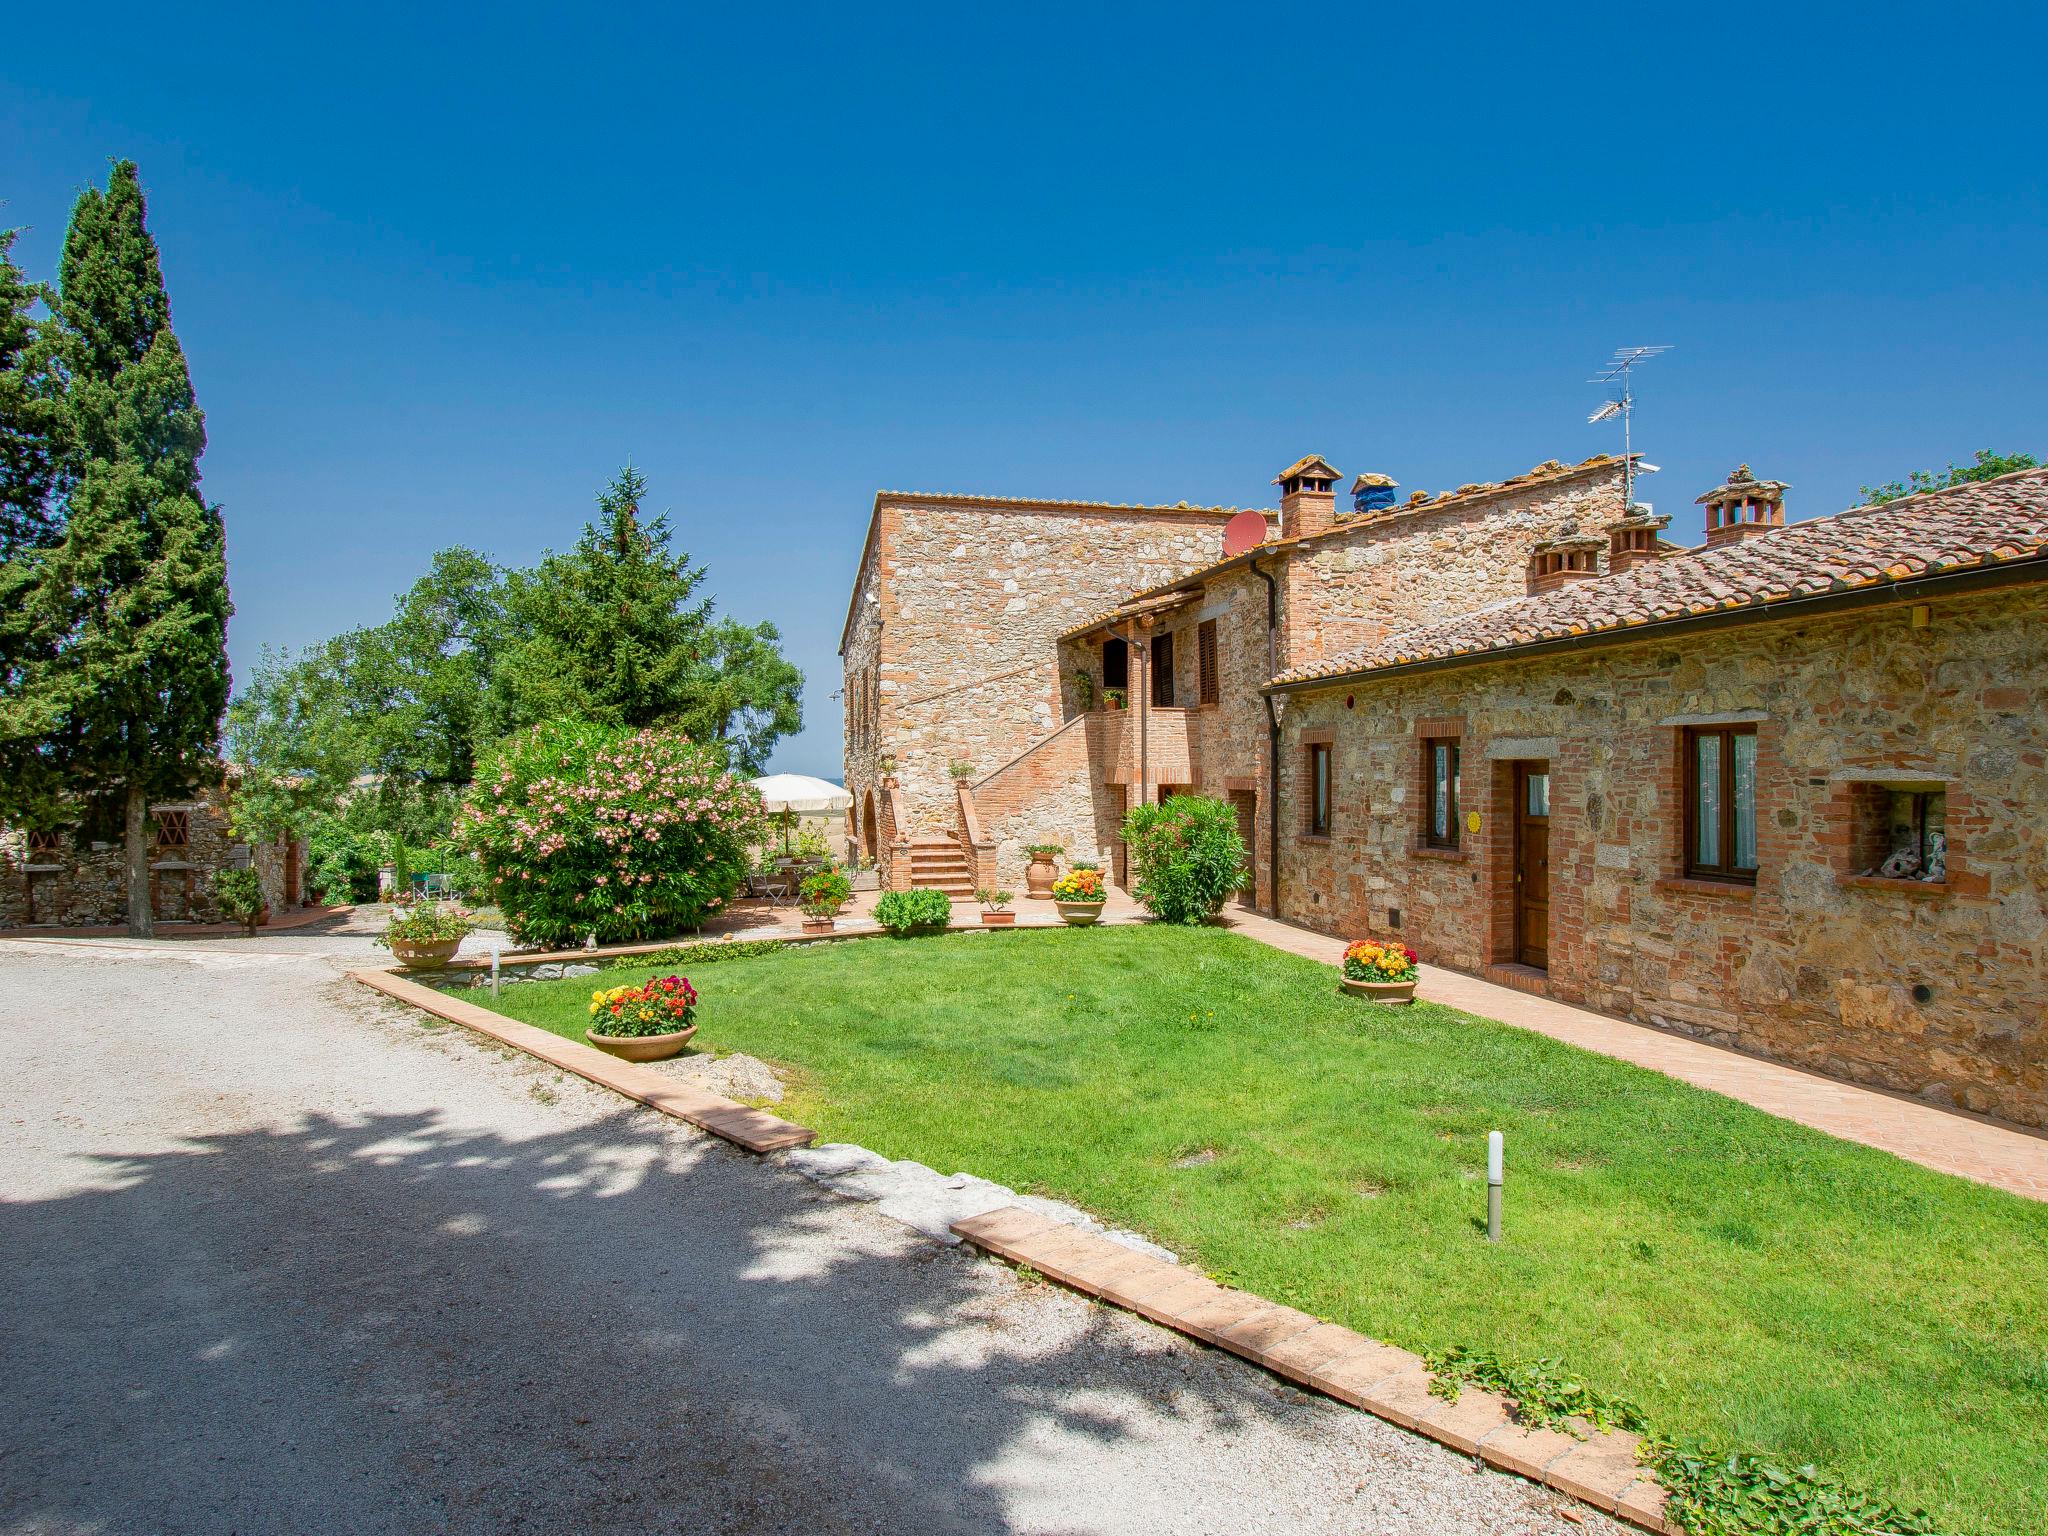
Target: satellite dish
x,y
1245,531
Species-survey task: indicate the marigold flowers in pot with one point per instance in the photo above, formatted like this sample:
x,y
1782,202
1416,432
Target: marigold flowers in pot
x,y
1382,970
1079,895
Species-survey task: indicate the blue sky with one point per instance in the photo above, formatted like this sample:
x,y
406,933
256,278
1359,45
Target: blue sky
x,y
440,275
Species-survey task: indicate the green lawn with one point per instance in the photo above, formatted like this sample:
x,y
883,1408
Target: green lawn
x,y
1744,1279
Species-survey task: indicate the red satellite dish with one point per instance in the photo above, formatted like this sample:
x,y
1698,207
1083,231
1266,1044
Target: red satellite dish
x,y
1245,531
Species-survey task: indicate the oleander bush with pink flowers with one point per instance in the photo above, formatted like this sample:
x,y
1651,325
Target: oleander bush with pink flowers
x,y
585,829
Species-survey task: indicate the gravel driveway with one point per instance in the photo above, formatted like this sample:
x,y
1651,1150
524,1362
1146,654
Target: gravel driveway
x,y
276,1256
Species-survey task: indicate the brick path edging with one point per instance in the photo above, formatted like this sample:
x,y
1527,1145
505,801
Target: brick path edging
x,y
753,1129
1389,1383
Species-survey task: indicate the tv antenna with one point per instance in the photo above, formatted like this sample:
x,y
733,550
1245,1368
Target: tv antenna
x,y
1616,375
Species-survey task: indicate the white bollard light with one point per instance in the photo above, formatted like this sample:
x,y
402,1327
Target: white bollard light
x,y
494,967
1494,1160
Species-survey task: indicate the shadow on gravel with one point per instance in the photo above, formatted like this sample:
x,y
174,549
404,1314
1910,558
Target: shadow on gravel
x,y
395,1326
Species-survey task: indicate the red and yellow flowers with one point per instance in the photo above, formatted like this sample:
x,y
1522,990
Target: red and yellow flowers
x,y
1370,960
658,1006
1080,885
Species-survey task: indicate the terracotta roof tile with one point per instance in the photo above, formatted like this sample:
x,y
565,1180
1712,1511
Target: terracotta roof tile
x,y
1935,532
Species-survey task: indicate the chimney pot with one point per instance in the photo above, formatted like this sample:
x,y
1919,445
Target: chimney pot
x,y
1308,497
1742,507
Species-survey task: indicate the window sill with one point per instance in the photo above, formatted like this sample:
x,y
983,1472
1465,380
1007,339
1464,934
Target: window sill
x,y
42,869
1902,887
1424,851
1692,885
1312,837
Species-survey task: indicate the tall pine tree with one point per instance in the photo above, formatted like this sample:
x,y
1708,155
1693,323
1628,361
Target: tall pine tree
x,y
29,410
115,635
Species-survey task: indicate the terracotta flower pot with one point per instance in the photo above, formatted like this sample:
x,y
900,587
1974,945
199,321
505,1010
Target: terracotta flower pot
x,y
424,956
1382,991
1039,875
998,919
817,925
641,1047
1079,914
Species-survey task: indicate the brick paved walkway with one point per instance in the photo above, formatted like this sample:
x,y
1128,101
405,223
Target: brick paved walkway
x,y
1977,1149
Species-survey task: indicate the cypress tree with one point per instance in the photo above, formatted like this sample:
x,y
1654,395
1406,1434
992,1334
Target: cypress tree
x,y
28,410
115,635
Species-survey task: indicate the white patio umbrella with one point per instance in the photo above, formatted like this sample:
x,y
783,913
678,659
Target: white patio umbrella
x,y
802,794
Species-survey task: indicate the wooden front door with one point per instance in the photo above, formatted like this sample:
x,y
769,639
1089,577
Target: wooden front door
x,y
1246,804
1532,864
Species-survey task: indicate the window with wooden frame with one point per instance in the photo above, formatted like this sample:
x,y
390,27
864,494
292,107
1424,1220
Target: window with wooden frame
x,y
1720,802
1319,789
1210,684
174,830
1162,671
1440,792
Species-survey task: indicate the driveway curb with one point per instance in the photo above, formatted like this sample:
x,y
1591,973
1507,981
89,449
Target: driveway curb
x,y
1389,1383
753,1129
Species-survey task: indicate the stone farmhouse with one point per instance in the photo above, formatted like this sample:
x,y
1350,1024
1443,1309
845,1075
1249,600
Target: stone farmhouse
x,y
1781,791
67,879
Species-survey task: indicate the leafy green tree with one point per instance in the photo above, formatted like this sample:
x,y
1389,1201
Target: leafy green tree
x,y
114,636
611,632
1988,466
30,411
382,726
386,720
614,632
748,694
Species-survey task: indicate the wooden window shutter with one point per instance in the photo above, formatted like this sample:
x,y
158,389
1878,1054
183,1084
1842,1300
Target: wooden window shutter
x,y
1205,654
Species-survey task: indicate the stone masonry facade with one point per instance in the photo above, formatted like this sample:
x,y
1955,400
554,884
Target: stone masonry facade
x,y
985,636
69,880
1937,989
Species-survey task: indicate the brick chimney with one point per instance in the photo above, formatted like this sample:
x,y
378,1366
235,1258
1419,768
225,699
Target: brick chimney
x,y
1308,498
1633,540
1743,507
1559,562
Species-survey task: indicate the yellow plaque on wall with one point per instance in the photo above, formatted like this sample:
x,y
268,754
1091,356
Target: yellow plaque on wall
x,y
1471,821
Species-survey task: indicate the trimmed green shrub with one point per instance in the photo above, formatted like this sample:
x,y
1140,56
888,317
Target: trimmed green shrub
x,y
905,912
1186,857
590,829
710,952
239,895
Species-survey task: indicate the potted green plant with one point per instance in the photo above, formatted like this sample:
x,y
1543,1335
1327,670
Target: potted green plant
x,y
905,913
425,935
1386,973
1079,894
644,1023
995,908
822,894
1114,698
1042,870
239,895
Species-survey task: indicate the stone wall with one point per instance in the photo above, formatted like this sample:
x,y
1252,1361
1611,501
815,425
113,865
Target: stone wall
x,y
83,882
1939,991
1397,570
972,597
863,698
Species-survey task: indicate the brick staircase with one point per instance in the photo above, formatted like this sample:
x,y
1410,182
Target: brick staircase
x,y
940,864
